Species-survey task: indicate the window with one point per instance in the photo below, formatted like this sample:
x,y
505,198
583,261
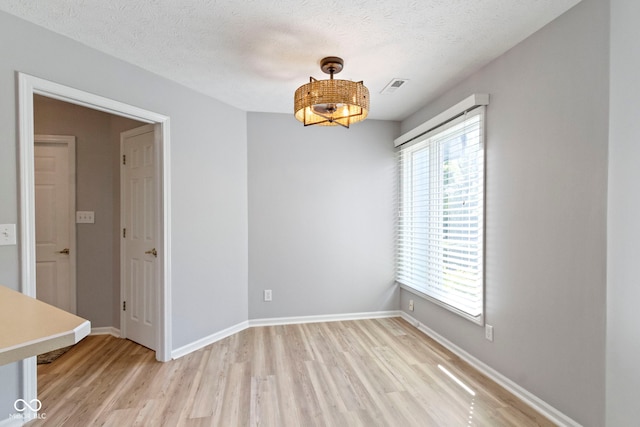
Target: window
x,y
441,215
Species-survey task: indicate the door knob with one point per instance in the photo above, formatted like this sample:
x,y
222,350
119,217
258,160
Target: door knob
x,y
152,252
64,251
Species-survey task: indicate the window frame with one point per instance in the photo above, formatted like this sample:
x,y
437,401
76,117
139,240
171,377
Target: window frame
x,y
418,136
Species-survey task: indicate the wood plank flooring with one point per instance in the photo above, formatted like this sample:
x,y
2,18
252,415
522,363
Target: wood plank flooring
x,y
380,372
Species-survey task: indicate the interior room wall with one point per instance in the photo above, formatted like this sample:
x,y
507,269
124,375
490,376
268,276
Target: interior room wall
x,y
623,233
208,177
97,189
546,195
321,217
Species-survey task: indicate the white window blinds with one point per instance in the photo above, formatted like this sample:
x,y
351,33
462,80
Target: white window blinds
x,y
441,215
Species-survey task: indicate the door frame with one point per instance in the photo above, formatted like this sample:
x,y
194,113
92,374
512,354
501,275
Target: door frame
x,y
70,142
28,86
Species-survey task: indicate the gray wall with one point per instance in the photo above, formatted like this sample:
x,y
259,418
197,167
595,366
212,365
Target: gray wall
x,y
545,214
208,177
320,217
97,189
623,288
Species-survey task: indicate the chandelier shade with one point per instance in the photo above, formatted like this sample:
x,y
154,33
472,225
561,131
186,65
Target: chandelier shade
x,y
331,102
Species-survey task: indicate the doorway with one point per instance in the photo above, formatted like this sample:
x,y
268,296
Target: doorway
x,y
28,86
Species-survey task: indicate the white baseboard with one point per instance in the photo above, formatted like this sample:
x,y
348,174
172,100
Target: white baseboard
x,y
530,399
323,318
203,342
106,330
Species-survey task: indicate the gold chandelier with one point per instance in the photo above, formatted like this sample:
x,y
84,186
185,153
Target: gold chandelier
x,y
331,102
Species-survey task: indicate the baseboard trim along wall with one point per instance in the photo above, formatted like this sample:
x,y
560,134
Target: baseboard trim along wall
x,y
106,330
203,342
323,318
530,399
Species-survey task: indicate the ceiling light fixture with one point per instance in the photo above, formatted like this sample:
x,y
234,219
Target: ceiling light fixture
x,y
331,102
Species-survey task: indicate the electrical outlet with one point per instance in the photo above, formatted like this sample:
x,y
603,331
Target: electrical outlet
x,y
267,295
488,332
410,305
7,234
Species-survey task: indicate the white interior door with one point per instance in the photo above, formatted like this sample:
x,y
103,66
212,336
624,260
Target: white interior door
x,y
55,201
139,204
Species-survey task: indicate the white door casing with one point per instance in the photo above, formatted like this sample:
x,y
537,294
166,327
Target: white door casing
x,y
28,86
55,201
139,221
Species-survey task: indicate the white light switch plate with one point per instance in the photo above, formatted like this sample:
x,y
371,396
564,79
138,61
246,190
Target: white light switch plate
x,y
85,217
7,234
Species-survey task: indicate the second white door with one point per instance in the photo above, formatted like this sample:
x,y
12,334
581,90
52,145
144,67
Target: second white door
x,y
54,173
139,218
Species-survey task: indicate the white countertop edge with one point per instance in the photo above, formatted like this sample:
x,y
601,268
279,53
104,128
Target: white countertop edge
x,y
44,345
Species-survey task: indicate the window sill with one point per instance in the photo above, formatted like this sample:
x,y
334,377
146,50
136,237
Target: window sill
x,y
478,320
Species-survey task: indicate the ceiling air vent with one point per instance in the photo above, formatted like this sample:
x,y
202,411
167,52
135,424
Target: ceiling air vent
x,y
393,86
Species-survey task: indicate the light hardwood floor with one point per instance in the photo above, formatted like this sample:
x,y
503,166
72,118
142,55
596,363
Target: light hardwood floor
x,y
380,372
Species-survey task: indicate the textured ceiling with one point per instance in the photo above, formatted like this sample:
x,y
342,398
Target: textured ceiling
x,y
253,54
